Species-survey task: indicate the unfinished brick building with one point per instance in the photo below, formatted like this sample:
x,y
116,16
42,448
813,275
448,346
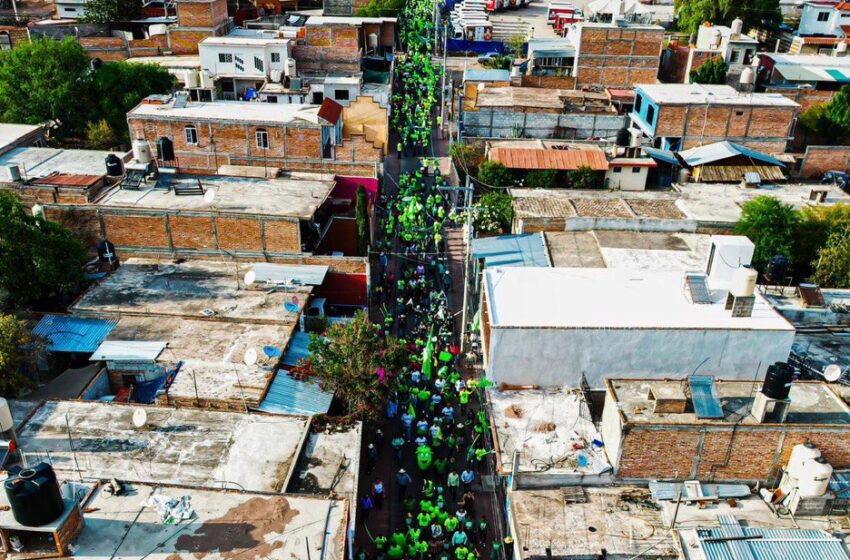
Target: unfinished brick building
x,y
682,116
616,56
196,20
291,137
336,44
653,430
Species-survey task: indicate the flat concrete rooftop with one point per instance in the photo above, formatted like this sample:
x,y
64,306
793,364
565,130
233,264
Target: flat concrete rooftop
x,y
543,427
292,198
569,203
226,525
812,402
331,463
193,289
182,447
580,522
41,162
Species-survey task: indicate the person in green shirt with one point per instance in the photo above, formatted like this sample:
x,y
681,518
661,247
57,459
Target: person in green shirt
x,y
420,548
380,543
461,553
424,520
395,552
399,538
451,524
453,482
414,534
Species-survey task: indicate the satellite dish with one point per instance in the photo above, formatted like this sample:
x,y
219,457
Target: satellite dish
x,y
291,307
209,196
272,351
250,357
140,417
832,373
250,277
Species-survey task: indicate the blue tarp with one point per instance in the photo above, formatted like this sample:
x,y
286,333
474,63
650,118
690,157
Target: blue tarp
x,y
65,333
512,250
664,156
480,47
290,396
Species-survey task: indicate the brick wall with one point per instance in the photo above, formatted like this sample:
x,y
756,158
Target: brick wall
x,y
186,42
329,47
105,48
820,159
17,35
757,452
572,126
548,82
201,13
65,535
805,97
618,57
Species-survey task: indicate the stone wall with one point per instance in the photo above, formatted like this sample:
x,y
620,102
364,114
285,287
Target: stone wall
x,y
571,126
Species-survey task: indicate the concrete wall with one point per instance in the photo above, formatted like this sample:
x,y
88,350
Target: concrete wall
x,y
488,123
820,159
550,356
329,47
530,225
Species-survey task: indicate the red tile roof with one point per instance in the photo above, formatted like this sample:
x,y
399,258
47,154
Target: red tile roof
x,y
827,40
330,110
67,180
843,6
562,160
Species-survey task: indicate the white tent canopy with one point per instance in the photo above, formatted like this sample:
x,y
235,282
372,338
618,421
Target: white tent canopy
x,y
622,7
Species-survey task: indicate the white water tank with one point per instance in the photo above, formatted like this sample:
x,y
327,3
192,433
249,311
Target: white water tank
x,y
748,76
841,49
13,172
372,40
290,68
276,74
743,282
814,479
207,81
191,79
6,422
142,151
799,455
737,27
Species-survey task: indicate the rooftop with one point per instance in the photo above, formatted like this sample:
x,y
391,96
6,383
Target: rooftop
x,y
551,429
814,60
511,250
244,40
575,298
569,203
330,463
290,197
41,162
702,94
226,525
12,133
231,112
580,522
177,446
812,402
718,151
486,75
540,98
191,289
519,158
190,62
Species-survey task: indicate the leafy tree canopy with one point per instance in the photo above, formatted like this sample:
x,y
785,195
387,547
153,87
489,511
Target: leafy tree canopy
x,y
493,212
770,225
111,11
13,337
691,14
541,179
380,8
493,173
830,119
585,177
39,259
712,71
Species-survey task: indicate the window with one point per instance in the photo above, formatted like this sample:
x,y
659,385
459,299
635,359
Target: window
x,y
341,94
733,58
262,139
638,100
5,41
635,169
618,169
275,57
191,135
258,63
650,114
225,58
823,16
739,113
271,99
845,14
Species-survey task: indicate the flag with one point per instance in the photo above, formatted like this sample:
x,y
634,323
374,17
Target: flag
x,y
428,356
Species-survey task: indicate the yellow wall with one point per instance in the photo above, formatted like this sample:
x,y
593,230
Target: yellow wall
x,y
365,116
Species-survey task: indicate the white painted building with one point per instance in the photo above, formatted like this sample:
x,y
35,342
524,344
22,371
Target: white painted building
x,y
734,46
548,326
824,18
246,59
70,9
628,174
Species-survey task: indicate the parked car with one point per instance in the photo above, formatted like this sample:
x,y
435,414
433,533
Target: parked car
x,y
839,178
488,56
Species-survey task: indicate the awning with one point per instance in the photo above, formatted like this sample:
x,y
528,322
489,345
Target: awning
x,y
734,173
664,156
128,351
290,396
798,73
511,250
65,333
719,151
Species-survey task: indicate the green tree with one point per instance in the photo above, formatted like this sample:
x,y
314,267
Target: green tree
x,y
816,225
712,71
100,136
357,364
498,63
541,179
515,46
585,177
41,81
494,174
117,87
832,267
39,259
691,14
466,157
111,11
13,339
830,119
493,212
770,225
380,8
361,218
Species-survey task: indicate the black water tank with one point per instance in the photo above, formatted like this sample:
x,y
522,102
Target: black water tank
x,y
777,267
34,495
106,251
777,382
624,138
114,166
165,149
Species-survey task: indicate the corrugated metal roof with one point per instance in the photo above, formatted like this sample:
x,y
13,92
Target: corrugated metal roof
x,y
297,349
512,250
840,483
766,544
800,73
67,180
662,155
290,396
128,351
563,160
65,333
718,151
670,490
304,274
486,75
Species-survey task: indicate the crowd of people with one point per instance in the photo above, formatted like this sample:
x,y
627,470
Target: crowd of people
x,y
440,431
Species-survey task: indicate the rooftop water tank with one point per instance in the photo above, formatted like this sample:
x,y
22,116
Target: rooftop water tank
x,y
777,268
777,381
13,172
114,166
165,149
624,137
737,27
800,454
743,282
191,78
142,151
34,495
814,478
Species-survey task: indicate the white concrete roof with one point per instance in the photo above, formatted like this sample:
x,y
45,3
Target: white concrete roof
x,y
232,111
711,94
599,298
10,133
809,60
244,40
